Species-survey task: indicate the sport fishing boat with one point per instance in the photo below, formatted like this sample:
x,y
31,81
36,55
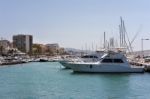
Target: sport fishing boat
x,y
111,62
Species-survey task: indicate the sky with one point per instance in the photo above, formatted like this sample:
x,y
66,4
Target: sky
x,y
75,23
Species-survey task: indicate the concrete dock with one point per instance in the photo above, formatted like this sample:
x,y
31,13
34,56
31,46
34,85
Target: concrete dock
x,y
146,65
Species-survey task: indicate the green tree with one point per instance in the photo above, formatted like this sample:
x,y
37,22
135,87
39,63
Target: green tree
x,y
37,50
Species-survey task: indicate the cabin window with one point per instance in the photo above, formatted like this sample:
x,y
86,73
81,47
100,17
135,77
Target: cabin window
x,y
107,61
118,61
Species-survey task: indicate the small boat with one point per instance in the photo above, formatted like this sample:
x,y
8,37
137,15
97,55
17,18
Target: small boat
x,y
111,62
66,62
43,60
94,57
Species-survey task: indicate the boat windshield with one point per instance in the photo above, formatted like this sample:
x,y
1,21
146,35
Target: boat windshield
x,y
112,61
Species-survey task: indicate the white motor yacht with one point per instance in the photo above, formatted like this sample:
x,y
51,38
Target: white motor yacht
x,y
110,62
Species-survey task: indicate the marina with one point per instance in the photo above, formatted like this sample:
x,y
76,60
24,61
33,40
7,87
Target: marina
x,y
90,62
74,49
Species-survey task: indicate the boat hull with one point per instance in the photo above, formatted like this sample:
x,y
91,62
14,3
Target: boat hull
x,y
101,68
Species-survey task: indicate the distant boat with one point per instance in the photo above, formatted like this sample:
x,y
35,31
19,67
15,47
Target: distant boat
x,y
43,60
110,62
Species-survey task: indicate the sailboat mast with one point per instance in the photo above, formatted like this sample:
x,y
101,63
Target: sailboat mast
x,y
104,40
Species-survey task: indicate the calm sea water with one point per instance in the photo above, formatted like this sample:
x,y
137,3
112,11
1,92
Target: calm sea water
x,y
49,81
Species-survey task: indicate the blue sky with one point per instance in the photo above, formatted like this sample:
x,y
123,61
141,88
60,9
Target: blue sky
x,y
74,23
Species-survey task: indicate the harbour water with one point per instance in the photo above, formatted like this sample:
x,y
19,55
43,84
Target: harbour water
x,y
49,81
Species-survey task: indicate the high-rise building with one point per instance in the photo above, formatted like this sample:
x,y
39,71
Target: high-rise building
x,y
23,43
